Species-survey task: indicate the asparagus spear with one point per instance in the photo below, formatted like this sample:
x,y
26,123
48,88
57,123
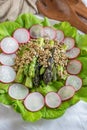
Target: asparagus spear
x,y
26,69
28,82
40,42
51,43
36,79
55,75
32,68
42,70
47,77
20,75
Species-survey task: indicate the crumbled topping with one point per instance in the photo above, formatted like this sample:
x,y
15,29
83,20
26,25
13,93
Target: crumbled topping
x,y
27,52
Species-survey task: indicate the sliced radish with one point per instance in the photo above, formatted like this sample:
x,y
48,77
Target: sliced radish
x,y
74,81
60,35
21,35
73,53
69,42
52,100
49,32
36,31
34,101
7,74
74,67
7,59
18,91
66,92
9,45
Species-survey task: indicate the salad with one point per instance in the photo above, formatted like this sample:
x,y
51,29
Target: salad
x,y
42,67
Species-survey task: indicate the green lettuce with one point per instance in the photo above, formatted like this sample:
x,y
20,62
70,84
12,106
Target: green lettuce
x,y
27,115
46,22
49,113
7,29
4,97
26,21
81,42
44,89
67,29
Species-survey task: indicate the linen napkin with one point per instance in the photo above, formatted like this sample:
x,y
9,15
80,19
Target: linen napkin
x,y
10,9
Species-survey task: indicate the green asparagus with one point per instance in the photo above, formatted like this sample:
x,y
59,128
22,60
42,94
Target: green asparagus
x,y
28,82
42,70
20,75
32,68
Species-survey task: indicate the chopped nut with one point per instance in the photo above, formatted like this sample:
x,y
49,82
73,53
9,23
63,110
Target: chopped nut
x,y
33,49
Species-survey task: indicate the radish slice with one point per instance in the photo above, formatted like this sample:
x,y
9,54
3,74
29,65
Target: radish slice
x,y
74,67
60,35
74,81
49,32
9,45
7,59
18,91
66,92
52,100
7,74
21,35
73,53
69,42
36,31
34,101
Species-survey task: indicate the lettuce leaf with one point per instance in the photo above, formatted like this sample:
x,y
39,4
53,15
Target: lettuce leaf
x,y
4,87
27,20
81,42
45,22
44,89
6,99
49,113
67,29
7,29
82,94
27,115
83,72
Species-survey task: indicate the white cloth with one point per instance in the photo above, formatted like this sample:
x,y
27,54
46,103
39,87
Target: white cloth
x,y
10,9
75,118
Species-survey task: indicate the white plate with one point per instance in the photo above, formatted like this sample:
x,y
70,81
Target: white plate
x,y
75,118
